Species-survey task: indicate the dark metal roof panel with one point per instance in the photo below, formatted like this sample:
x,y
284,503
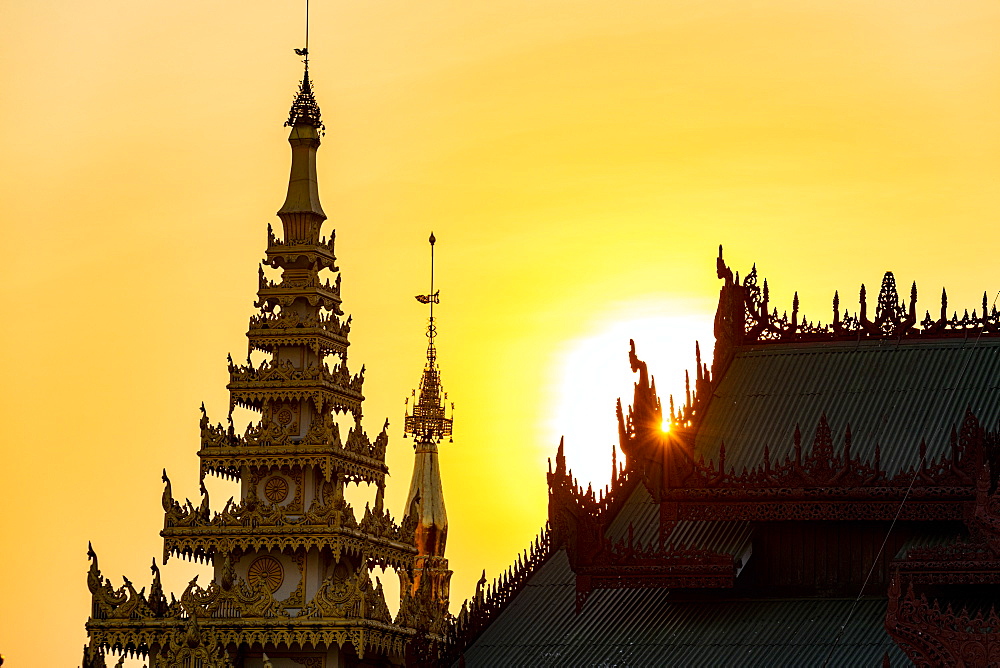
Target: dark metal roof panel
x,y
894,393
649,627
639,511
643,514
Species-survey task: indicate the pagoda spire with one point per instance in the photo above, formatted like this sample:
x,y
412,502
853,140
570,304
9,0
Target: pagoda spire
x,y
428,426
427,423
290,547
302,214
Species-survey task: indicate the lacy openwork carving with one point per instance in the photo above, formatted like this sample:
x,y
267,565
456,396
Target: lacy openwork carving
x,y
829,483
932,635
269,444
237,611
745,317
199,533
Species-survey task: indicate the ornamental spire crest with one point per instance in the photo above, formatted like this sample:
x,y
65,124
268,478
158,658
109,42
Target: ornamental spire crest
x,y
305,110
426,421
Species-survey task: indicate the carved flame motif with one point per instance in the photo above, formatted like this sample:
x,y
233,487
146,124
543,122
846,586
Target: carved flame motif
x,y
889,313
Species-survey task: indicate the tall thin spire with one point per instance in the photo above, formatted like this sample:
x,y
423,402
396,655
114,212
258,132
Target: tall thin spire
x,y
302,214
427,422
425,590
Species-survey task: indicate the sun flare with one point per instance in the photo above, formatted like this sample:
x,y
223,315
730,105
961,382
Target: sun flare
x,y
593,372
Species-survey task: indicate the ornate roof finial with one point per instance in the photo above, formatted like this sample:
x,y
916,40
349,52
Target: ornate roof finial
x,y
304,109
427,422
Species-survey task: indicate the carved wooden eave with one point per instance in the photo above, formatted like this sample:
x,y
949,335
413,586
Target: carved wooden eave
x,y
326,335
285,293
232,612
358,459
203,543
969,558
268,332
964,562
252,387
828,485
933,634
319,253
580,519
198,534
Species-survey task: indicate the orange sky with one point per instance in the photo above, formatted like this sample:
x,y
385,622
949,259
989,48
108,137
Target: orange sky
x,y
579,162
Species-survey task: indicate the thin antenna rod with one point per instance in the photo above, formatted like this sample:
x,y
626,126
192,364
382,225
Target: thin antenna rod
x,y
433,329
307,31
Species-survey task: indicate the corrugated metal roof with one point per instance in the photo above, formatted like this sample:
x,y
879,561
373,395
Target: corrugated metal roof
x,y
643,514
650,627
894,393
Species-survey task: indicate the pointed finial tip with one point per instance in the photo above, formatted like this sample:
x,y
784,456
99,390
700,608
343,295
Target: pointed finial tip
x,y
432,239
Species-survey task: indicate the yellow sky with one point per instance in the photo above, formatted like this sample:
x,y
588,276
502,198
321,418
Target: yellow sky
x,y
579,162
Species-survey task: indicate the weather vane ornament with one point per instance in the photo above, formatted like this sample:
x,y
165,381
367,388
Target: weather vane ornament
x,y
305,110
426,421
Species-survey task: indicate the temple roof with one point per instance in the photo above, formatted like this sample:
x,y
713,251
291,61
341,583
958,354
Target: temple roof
x,y
894,393
654,627
642,514
651,573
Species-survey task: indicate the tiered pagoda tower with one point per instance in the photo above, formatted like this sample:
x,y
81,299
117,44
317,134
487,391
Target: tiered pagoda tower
x,y
291,558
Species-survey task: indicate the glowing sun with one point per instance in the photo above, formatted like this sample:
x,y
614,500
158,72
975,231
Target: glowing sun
x,y
593,372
